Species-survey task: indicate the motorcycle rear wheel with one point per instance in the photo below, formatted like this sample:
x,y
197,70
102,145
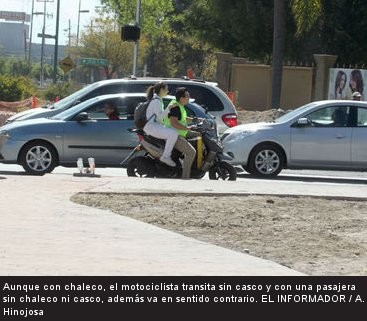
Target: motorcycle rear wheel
x,y
140,167
223,171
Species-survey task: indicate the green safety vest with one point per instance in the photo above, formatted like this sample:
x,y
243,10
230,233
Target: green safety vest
x,y
183,120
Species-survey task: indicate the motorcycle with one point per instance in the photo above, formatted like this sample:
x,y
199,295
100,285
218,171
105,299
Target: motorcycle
x,y
209,156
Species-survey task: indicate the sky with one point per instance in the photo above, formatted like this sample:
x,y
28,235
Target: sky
x,y
68,10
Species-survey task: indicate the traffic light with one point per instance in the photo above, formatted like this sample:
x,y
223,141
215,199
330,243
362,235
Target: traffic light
x,y
130,33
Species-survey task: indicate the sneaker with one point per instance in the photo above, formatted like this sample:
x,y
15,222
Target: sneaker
x,y
168,161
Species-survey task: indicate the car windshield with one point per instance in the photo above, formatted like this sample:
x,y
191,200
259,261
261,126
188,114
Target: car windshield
x,y
293,113
72,98
73,110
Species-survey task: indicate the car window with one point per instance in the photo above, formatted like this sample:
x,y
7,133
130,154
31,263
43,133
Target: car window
x,y
132,87
97,110
202,95
332,116
293,113
362,117
104,90
130,104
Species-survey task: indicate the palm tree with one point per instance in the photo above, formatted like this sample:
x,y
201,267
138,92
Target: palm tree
x,y
305,13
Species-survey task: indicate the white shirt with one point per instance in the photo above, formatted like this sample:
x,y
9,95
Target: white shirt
x,y
155,108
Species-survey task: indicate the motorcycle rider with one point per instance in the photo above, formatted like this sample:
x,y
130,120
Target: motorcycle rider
x,y
155,114
178,119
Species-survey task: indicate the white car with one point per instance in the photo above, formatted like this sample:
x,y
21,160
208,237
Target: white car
x,y
329,135
206,94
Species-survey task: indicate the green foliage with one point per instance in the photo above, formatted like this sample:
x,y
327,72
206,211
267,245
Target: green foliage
x,y
305,12
36,71
15,88
243,28
156,46
60,90
342,30
197,28
14,66
104,41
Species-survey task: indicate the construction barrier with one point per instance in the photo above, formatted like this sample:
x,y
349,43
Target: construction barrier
x,y
15,106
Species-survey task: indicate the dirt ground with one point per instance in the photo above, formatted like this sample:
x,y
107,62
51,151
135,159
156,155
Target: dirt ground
x,y
252,116
311,235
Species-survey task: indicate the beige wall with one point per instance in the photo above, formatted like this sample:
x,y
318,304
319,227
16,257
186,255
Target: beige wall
x,y
296,87
253,83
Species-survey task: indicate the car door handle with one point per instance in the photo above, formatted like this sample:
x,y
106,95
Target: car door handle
x,y
340,136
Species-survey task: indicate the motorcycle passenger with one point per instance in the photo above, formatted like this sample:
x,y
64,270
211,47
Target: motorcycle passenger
x,y
154,126
178,119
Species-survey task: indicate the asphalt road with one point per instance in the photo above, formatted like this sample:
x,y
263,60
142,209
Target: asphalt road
x,y
285,174
337,177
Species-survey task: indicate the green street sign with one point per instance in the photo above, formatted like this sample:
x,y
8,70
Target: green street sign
x,y
93,62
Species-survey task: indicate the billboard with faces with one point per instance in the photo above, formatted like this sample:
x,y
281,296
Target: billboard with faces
x,y
344,82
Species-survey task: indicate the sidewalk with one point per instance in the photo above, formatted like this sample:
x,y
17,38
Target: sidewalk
x,y
43,233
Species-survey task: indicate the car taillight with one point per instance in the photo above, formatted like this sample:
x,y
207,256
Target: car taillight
x,y
230,120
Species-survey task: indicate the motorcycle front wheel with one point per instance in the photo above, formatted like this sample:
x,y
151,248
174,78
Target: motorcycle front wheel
x,y
140,167
223,171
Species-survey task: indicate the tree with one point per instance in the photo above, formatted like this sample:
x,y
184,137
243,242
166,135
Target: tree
x,y
15,88
306,13
103,41
278,51
156,32
243,28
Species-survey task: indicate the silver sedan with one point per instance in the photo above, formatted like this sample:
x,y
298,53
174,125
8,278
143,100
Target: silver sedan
x,y
329,135
83,131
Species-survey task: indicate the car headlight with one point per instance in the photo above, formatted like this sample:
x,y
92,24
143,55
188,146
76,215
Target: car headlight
x,y
237,135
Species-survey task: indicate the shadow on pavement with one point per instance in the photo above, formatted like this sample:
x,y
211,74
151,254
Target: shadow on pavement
x,y
317,179
12,173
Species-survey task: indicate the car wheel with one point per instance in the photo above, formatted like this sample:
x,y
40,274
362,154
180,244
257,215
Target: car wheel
x,y
266,161
140,167
247,169
223,171
38,158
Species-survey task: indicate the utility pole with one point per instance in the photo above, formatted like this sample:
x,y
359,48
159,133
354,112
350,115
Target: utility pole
x,y
56,41
136,44
79,12
43,44
30,36
69,35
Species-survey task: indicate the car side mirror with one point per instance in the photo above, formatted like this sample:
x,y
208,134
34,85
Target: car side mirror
x,y
81,117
